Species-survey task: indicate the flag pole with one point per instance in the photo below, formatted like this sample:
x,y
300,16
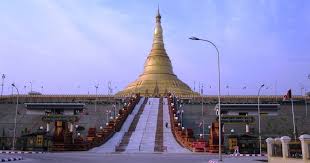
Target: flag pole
x,y
203,120
293,118
306,103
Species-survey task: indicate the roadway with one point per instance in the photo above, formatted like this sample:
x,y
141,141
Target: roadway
x,y
82,157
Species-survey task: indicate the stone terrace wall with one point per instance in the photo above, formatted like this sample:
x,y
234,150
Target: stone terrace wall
x,y
88,119
272,126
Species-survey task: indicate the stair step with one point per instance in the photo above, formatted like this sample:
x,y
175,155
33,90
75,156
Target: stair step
x,y
159,129
112,143
126,138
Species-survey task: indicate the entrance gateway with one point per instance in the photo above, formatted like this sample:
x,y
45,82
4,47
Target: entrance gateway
x,y
63,116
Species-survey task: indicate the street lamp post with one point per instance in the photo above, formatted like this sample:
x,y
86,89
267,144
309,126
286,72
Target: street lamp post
x,y
219,93
114,109
306,102
259,125
30,86
119,105
42,89
76,128
209,129
227,87
96,86
15,118
107,115
3,77
25,89
306,98
76,132
202,117
182,111
232,131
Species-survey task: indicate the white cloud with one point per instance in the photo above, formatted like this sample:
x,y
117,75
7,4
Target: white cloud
x,y
57,38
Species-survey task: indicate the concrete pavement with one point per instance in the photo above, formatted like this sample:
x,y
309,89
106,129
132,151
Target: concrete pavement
x,y
82,157
169,141
10,157
240,160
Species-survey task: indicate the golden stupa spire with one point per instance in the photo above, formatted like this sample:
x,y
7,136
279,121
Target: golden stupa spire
x,y
158,33
158,55
158,17
158,76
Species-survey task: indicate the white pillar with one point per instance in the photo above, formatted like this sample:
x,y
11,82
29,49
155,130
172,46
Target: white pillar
x,y
71,127
305,140
247,128
269,142
47,126
285,140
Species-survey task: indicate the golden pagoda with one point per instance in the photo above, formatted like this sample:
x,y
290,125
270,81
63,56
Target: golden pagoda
x,y
157,78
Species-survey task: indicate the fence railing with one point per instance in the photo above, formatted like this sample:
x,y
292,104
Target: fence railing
x,y
287,149
294,150
277,150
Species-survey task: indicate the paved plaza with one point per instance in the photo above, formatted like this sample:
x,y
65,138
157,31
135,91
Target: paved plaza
x,y
82,157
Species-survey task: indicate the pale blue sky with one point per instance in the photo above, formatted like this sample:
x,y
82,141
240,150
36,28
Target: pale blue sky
x,y
70,45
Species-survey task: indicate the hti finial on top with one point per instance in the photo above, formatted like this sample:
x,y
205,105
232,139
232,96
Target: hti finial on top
x,y
158,17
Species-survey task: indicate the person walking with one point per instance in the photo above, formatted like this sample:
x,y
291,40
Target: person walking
x,y
236,148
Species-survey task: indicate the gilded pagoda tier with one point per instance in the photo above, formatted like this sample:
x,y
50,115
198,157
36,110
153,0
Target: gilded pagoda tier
x,y
157,88
157,78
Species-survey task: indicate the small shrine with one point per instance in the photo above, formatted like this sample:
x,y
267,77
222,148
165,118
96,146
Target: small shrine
x,y
36,141
63,133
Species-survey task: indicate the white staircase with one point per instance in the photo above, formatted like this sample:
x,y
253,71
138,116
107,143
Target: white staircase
x,y
143,139
110,145
169,141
